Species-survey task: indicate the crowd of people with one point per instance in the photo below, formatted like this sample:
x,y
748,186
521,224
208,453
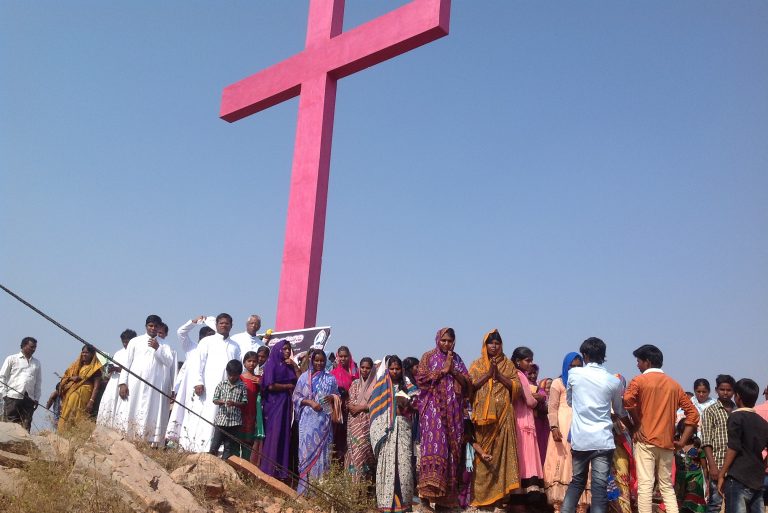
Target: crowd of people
x,y
429,432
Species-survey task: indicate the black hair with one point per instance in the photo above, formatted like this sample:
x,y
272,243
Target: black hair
x,y
408,366
521,353
689,394
164,325
314,352
89,348
594,348
234,368
396,359
153,319
25,340
725,378
127,335
449,331
205,331
343,348
748,391
249,355
651,354
223,316
365,359
494,336
534,367
702,382
262,349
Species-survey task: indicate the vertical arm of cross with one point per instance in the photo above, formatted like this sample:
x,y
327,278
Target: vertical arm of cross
x,y
305,225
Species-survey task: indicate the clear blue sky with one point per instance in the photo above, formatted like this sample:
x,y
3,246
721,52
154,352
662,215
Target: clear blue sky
x,y
555,170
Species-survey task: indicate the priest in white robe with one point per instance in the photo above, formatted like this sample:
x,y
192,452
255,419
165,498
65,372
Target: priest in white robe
x,y
248,340
144,411
110,399
213,354
183,387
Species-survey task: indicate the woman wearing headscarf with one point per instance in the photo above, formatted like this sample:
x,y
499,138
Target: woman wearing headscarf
x,y
345,373
558,466
78,387
359,460
391,409
443,384
496,385
277,384
315,398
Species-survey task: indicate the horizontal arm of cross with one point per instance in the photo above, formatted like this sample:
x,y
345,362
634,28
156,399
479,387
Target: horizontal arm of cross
x,y
383,38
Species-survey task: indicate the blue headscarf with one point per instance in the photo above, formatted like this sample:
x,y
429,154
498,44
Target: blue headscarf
x,y
569,358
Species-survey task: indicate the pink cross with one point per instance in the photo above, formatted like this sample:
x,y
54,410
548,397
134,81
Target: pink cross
x,y
329,55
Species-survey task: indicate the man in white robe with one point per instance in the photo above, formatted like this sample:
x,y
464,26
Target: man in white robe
x,y
144,411
213,354
247,340
110,398
183,386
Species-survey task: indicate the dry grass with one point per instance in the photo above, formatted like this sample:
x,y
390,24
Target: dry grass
x,y
47,486
343,493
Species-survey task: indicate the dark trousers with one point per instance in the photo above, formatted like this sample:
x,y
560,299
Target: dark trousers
x,y
230,446
19,411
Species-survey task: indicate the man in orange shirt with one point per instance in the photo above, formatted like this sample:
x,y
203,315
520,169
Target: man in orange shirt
x,y
652,400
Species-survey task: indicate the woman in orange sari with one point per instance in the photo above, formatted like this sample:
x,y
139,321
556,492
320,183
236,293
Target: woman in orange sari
x,y
496,384
78,387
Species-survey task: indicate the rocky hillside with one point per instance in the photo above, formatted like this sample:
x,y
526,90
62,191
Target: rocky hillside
x,y
93,469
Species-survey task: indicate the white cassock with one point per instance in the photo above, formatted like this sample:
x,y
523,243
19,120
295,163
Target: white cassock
x,y
213,354
109,401
181,385
246,342
145,413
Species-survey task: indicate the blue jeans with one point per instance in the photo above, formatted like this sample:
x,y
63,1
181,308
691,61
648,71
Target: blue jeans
x,y
715,500
741,499
600,461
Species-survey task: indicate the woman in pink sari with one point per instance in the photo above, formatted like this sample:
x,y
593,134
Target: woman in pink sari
x,y
345,373
444,384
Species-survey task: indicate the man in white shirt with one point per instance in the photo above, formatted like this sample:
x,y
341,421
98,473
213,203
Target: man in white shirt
x,y
143,412
20,382
247,340
212,355
591,392
110,400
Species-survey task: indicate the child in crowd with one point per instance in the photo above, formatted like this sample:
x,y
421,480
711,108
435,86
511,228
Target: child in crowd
x,y
468,462
741,478
691,474
231,397
252,431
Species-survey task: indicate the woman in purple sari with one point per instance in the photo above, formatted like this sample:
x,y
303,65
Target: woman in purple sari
x,y
277,384
444,384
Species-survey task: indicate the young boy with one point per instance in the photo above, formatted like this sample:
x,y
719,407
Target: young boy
x,y
714,436
741,479
230,396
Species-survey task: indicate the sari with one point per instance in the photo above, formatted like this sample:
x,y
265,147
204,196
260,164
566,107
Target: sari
x,y
440,404
623,470
75,395
359,460
315,430
277,411
391,441
344,380
558,465
494,420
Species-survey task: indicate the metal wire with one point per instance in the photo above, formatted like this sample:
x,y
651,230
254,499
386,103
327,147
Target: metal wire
x,y
77,337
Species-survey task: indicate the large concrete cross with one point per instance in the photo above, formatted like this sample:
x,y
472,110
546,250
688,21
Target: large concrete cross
x,y
329,55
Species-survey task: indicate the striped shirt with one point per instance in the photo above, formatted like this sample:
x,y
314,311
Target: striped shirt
x,y
229,416
714,431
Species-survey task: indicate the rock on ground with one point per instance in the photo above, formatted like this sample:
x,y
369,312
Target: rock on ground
x,y
208,471
141,482
14,438
11,481
51,447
